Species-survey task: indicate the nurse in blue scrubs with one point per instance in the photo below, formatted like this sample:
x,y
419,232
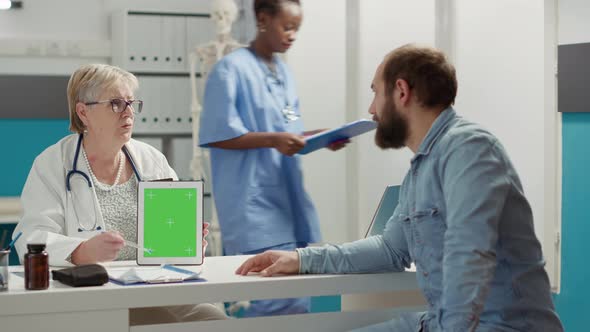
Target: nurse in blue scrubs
x,y
252,124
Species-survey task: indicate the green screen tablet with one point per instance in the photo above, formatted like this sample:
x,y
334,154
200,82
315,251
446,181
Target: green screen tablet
x,y
170,222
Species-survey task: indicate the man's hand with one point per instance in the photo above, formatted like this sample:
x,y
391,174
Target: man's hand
x,y
288,143
271,263
103,247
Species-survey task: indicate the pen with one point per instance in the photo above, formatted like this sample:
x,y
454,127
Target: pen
x,y
13,241
136,246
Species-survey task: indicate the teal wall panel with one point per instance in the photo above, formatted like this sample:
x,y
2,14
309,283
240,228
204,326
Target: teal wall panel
x,y
325,304
22,140
6,231
573,302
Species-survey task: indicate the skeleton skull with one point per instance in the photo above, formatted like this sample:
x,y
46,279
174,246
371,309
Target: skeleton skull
x,y
224,13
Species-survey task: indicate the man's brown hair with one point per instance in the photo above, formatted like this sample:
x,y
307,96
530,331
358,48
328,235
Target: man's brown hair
x,y
429,74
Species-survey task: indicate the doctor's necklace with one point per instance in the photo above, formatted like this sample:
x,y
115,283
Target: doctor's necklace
x,y
95,179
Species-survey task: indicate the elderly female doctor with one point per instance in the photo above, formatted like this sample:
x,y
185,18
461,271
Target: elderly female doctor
x,y
81,194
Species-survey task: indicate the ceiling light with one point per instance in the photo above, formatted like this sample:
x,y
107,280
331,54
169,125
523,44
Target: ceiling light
x,y
8,4
5,4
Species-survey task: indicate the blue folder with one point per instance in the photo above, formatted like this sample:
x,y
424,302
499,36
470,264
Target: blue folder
x,y
323,139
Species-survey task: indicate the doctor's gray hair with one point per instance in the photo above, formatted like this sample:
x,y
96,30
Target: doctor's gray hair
x,y
89,82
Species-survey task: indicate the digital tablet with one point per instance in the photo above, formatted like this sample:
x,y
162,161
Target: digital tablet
x,y
170,223
325,138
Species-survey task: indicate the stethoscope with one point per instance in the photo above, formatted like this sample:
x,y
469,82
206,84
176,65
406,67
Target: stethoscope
x,y
76,171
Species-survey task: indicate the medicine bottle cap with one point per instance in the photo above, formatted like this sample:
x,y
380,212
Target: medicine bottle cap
x,y
36,247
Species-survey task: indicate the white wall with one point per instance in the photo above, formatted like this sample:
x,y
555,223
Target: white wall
x,y
552,170
500,68
59,19
384,25
318,62
319,59
574,21
507,83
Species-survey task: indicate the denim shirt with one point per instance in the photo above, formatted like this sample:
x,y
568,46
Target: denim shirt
x,y
462,218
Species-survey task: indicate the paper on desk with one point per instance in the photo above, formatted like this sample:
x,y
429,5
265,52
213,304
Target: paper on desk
x,y
159,274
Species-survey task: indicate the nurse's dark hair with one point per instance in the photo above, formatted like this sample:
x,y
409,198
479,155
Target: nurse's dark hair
x,y
271,7
427,71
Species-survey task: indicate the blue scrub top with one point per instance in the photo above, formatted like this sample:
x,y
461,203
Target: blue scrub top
x,y
259,193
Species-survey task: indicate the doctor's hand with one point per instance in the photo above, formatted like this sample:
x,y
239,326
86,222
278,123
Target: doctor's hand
x,y
288,143
271,263
103,247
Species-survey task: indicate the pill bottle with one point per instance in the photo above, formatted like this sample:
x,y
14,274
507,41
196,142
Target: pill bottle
x,y
36,267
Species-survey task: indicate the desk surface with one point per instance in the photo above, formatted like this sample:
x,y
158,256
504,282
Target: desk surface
x,y
221,285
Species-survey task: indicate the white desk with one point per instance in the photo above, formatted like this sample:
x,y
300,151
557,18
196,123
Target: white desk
x,y
105,308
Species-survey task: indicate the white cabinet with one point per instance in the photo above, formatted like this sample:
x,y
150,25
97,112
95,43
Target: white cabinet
x,y
155,47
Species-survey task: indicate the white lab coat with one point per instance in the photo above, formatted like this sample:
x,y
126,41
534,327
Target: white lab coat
x,y
48,215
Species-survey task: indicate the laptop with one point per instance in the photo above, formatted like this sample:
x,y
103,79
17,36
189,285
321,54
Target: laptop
x,y
384,210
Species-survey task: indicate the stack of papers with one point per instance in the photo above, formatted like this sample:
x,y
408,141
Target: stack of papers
x,y
151,275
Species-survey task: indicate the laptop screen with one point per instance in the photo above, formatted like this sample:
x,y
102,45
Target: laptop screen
x,y
384,211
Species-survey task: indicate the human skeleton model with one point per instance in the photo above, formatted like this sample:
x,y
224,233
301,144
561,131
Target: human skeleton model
x,y
223,13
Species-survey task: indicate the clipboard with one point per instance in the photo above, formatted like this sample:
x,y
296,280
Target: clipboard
x,y
164,274
325,138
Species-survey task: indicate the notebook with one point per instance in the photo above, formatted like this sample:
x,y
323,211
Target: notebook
x,y
384,210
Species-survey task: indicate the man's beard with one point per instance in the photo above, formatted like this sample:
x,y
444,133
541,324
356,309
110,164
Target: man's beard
x,y
392,127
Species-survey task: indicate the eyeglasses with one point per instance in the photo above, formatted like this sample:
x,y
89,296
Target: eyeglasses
x,y
119,105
